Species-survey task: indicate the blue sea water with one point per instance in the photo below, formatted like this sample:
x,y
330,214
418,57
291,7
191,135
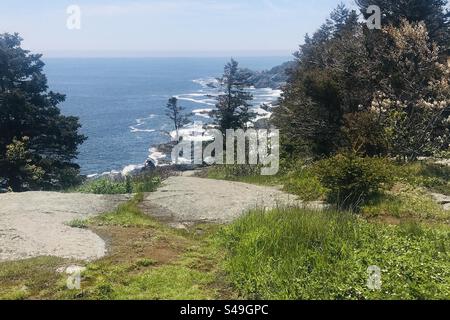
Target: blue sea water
x,y
120,102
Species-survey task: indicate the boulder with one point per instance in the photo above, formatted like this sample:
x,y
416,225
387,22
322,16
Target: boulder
x,y
443,200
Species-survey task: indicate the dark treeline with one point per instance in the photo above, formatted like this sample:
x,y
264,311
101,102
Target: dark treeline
x,y
373,92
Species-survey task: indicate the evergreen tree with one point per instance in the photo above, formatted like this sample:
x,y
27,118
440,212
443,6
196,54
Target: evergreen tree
x,y
331,79
177,115
384,97
37,143
233,105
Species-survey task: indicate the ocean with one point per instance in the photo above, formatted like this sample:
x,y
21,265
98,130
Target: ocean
x,y
121,101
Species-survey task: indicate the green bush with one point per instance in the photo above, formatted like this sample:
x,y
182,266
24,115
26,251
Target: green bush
x,y
304,183
351,180
297,254
103,186
143,183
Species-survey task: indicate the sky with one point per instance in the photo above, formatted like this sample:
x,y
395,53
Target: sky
x,y
166,27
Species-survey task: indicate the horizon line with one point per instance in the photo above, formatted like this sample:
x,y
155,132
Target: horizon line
x,y
164,54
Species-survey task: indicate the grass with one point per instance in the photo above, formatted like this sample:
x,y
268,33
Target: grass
x,y
299,181
146,260
143,183
406,201
434,177
78,223
301,254
126,215
282,254
166,264
409,198
170,282
30,278
240,173
190,272
303,183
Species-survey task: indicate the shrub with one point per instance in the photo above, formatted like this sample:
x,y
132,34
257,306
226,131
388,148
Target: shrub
x,y
351,180
364,133
104,186
143,183
304,183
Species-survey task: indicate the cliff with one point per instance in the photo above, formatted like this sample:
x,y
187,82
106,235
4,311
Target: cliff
x,y
274,78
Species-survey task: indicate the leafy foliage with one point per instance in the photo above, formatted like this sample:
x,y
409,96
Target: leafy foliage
x,y
434,13
373,92
412,103
19,155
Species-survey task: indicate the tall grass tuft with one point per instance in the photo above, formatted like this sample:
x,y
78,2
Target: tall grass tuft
x,y
142,183
304,254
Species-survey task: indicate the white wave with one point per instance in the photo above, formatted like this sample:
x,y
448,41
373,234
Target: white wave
x,y
141,122
193,132
202,110
134,130
183,161
260,111
205,113
156,156
207,82
194,94
131,168
187,97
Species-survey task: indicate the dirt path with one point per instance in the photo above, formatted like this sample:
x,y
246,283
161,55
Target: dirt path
x,y
190,199
33,224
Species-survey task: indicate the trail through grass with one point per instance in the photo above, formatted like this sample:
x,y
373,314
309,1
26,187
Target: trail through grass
x,y
146,260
